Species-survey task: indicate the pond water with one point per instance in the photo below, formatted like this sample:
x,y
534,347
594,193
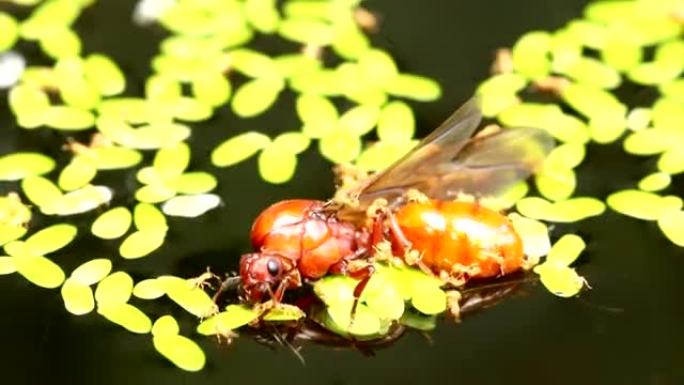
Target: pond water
x,y
626,330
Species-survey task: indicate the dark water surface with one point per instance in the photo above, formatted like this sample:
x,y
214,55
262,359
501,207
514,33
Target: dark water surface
x,y
627,330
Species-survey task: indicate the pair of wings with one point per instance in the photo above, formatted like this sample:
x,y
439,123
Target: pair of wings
x,y
450,161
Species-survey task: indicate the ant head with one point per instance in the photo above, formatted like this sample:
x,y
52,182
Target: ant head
x,y
262,273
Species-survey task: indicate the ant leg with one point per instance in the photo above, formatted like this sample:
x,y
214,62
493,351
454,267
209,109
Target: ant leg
x,y
226,284
397,234
364,274
378,230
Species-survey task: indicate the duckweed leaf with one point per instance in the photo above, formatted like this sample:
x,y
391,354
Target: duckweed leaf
x,y
60,43
284,312
559,279
224,322
77,297
360,120
92,272
69,118
51,238
39,270
172,160
78,201
195,183
116,288
191,298
148,217
190,109
238,148
414,87
164,326
396,122
113,158
378,67
254,64
556,183
212,89
530,54
76,92
10,28
570,210
127,316
19,165
104,74
671,161
149,289
655,182
191,206
7,265
671,224
534,234
382,297
340,146
318,114
306,31
9,233
154,193
78,173
638,204
277,165
112,224
428,299
142,243
365,322
181,351
256,96
566,250
294,141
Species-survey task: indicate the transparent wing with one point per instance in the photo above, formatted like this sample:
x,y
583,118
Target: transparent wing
x,y
449,161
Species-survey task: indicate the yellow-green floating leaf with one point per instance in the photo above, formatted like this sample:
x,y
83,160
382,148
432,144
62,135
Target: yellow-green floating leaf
x,y
638,204
181,351
77,297
396,122
238,148
148,217
127,316
78,173
566,250
224,322
104,74
142,243
7,265
414,87
164,326
19,165
340,146
39,270
92,272
655,182
51,238
78,201
191,206
672,225
116,288
534,234
256,96
112,224
40,191
277,165
149,289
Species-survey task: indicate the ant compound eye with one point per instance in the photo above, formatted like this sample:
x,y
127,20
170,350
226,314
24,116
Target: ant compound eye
x,y
273,266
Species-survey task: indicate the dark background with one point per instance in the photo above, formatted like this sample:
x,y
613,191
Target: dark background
x,y
627,330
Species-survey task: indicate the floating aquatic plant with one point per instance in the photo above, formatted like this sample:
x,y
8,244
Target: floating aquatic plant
x,y
206,64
